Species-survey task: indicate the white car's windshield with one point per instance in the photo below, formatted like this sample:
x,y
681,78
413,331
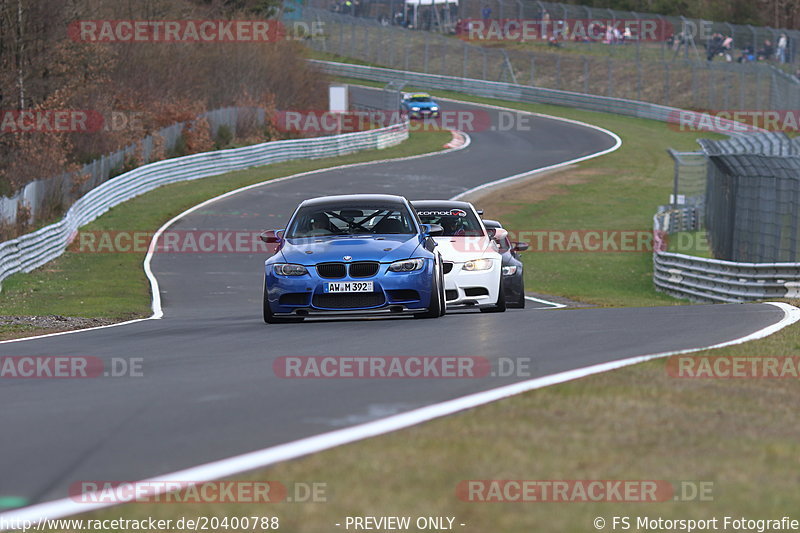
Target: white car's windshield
x,y
456,222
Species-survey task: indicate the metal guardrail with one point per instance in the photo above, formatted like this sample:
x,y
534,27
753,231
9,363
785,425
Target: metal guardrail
x,y
66,188
680,275
32,250
713,280
526,93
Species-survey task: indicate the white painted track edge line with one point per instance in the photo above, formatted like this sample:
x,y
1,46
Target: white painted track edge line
x,y
292,450
554,305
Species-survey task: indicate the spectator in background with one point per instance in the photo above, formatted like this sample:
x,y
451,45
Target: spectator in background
x,y
713,46
486,12
767,52
781,53
727,46
627,35
747,55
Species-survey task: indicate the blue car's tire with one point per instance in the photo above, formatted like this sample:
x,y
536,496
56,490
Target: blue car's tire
x,y
437,306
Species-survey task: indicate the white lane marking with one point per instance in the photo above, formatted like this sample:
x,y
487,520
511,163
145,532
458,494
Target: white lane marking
x,y
155,305
553,305
292,450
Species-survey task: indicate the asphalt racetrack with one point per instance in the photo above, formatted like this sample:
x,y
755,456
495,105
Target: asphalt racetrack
x,y
209,390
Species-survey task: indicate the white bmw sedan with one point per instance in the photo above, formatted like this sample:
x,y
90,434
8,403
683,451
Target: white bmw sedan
x,y
471,261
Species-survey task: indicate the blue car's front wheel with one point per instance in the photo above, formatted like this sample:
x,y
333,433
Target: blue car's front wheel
x,y
437,306
269,316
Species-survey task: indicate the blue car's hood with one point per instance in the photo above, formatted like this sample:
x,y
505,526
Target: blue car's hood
x,y
366,248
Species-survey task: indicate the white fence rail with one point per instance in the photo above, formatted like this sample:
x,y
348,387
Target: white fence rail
x,y
32,250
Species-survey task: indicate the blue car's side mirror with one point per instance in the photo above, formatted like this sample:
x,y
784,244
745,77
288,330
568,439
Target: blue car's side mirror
x,y
272,236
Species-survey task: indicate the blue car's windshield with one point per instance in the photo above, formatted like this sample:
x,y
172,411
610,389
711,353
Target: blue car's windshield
x,y
420,99
318,221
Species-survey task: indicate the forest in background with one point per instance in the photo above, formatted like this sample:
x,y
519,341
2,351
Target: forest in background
x,y
159,84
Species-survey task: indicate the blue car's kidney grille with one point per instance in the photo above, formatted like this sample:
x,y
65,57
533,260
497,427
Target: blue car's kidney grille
x,y
364,269
331,270
352,300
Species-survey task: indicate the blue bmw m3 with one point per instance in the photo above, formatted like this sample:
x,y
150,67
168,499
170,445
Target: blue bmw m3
x,y
358,254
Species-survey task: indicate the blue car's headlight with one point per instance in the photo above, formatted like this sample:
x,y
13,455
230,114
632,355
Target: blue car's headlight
x,y
414,108
509,270
289,269
434,108
407,265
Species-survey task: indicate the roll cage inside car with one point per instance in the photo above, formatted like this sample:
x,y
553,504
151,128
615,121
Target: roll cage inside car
x,y
355,220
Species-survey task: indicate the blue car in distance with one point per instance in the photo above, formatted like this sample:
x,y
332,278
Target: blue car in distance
x,y
419,105
353,254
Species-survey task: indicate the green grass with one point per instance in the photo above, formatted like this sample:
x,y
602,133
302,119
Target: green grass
x,y
113,285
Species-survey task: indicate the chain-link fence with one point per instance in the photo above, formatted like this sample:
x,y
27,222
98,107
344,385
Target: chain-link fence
x,y
753,198
689,185
752,207
689,38
46,197
681,83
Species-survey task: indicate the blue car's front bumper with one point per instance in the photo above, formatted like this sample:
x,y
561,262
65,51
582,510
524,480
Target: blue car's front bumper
x,y
423,113
393,292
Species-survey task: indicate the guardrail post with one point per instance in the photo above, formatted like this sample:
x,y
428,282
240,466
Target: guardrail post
x,y
466,58
586,75
533,70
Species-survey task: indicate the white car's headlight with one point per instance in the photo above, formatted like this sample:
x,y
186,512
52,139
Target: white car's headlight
x,y
478,264
289,269
509,270
407,265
